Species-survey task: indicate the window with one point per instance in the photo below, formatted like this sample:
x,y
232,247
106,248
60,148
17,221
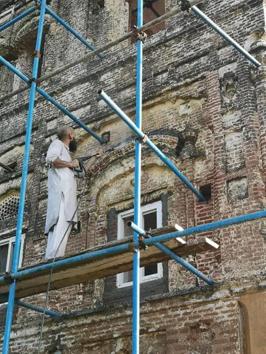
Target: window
x,y
151,10
6,253
9,206
151,218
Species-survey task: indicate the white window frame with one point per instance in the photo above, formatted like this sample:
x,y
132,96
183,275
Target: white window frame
x,y
146,209
9,241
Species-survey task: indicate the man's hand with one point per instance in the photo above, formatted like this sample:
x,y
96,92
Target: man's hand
x,y
74,163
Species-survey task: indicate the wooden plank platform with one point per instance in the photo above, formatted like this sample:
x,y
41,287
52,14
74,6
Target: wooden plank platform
x,y
101,267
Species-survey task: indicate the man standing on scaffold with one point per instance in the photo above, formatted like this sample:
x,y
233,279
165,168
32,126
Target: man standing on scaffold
x,y
62,192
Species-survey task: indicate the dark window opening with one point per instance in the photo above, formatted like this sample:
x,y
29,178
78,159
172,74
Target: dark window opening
x,y
150,269
206,191
150,221
3,257
151,10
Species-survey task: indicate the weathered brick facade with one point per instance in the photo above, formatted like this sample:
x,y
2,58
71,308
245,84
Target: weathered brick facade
x,y
204,106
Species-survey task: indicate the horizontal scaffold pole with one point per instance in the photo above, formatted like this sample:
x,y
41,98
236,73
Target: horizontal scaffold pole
x,y
175,10
24,78
110,45
81,258
90,55
196,11
70,29
17,18
172,255
91,255
51,313
15,8
207,227
151,145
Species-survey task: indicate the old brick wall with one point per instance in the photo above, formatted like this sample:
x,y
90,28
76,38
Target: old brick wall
x,y
204,107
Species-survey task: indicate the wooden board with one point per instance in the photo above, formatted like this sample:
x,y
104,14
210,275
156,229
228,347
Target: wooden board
x,y
100,267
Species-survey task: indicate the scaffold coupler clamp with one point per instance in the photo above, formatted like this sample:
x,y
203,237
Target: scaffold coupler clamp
x,y
139,34
142,245
8,278
31,80
143,139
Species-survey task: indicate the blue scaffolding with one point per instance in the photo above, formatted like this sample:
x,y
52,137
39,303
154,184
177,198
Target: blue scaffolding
x,y
33,86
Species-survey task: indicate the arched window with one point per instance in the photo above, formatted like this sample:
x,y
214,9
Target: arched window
x,y
9,206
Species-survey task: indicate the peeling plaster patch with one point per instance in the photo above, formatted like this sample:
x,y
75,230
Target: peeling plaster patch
x,y
237,189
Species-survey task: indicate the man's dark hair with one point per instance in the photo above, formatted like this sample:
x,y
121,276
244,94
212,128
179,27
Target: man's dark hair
x,y
62,133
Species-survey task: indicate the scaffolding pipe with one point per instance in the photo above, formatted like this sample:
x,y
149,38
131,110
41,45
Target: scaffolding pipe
x,y
23,185
172,255
15,8
137,189
128,35
70,29
151,145
74,260
88,56
196,11
207,227
17,18
70,115
88,256
42,310
51,99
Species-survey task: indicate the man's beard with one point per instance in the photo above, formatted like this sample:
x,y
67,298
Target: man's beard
x,y
73,145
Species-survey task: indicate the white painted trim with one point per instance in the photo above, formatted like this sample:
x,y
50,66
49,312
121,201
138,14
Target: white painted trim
x,y
9,241
146,209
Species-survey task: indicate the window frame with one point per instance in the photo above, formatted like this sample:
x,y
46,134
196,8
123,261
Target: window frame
x,y
10,241
145,209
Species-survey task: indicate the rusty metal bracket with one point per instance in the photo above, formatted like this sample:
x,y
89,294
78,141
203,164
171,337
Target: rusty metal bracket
x,y
31,80
142,245
143,139
139,35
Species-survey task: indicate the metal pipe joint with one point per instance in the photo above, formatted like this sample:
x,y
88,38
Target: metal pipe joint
x,y
138,34
142,139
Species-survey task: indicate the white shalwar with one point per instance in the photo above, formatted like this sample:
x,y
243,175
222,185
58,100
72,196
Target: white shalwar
x,y
62,201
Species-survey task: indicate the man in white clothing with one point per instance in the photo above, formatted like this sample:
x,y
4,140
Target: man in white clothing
x,y
62,193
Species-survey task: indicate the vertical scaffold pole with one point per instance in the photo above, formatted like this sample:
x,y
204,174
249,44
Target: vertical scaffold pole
x,y
137,188
15,261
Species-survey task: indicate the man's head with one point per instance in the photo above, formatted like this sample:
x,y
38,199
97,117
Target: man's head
x,y
67,136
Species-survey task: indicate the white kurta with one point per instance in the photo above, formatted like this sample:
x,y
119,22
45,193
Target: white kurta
x,y
62,201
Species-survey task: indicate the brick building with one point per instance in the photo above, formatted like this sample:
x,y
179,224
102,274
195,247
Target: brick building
x,y
203,105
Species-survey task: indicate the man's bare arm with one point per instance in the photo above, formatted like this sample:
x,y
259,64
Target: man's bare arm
x,y
63,164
